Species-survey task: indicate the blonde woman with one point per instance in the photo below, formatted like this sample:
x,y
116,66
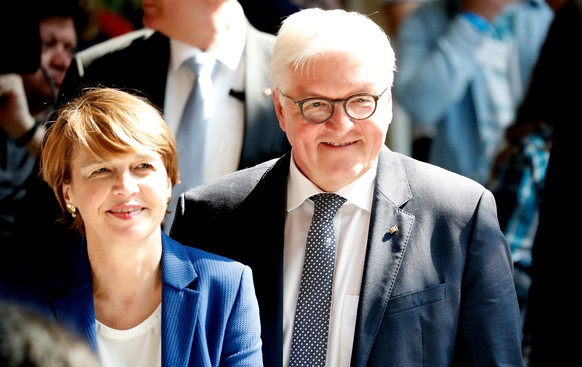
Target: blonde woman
x,y
138,297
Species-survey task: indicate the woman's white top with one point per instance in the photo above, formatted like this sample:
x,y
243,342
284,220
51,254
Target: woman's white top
x,y
138,346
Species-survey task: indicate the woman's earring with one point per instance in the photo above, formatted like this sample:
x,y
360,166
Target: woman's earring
x,y
168,201
71,209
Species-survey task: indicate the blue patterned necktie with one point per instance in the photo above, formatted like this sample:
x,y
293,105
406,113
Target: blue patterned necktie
x,y
191,136
310,329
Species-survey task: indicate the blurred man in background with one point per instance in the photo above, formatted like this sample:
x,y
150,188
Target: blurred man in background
x,y
28,93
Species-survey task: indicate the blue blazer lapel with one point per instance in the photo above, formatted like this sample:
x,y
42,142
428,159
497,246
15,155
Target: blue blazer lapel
x,y
388,237
178,299
73,300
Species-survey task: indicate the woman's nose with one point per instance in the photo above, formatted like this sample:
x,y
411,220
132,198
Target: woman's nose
x,y
127,184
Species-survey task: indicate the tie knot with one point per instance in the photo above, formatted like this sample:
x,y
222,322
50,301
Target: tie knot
x,y
327,204
201,64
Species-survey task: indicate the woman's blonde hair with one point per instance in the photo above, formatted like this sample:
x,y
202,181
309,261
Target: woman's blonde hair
x,y
106,122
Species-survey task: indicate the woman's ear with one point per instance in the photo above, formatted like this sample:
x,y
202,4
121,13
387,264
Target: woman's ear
x,y
66,192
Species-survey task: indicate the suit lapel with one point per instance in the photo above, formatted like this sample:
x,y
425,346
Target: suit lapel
x,y
266,227
73,292
257,83
263,138
178,299
385,251
152,79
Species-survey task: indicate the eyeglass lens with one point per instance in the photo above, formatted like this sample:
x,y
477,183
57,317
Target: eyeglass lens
x,y
358,107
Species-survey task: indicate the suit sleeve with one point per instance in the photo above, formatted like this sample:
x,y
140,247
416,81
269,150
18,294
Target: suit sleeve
x,y
490,324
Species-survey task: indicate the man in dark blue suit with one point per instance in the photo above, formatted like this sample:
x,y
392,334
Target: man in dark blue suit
x,y
423,274
243,127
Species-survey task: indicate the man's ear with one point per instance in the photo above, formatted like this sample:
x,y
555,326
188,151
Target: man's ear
x,y
279,109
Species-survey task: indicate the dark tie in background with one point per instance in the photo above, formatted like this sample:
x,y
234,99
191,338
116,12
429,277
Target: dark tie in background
x,y
191,136
310,329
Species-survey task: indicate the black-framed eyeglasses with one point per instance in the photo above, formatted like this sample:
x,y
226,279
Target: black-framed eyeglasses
x,y
319,110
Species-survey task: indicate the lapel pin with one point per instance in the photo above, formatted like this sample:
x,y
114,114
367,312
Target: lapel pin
x,y
392,229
